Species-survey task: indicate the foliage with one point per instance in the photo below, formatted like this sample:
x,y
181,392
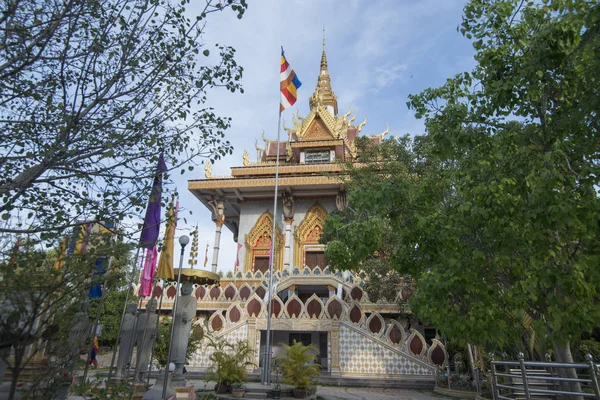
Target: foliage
x,y
91,93
122,390
101,390
589,346
382,283
38,301
82,388
161,346
114,294
298,365
229,361
53,380
494,210
277,371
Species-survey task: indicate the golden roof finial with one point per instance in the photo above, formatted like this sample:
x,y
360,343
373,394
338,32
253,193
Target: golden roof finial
x,y
323,95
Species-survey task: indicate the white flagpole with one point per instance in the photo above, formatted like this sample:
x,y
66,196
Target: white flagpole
x,y
266,376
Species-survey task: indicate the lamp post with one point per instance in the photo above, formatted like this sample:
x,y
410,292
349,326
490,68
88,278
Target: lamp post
x,y
183,241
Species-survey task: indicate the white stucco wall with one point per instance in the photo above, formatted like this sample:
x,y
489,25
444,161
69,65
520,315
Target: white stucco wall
x,y
252,210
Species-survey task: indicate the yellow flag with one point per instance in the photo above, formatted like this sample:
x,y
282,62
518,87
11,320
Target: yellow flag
x,y
60,258
165,262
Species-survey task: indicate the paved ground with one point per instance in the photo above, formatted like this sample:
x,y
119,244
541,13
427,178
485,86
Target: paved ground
x,y
355,393
358,393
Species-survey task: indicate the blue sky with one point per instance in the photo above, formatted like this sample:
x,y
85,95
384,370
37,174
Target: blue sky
x,y
378,52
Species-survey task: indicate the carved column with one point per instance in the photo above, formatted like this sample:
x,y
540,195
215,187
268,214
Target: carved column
x,y
332,290
252,339
291,290
218,215
215,260
334,340
287,253
288,217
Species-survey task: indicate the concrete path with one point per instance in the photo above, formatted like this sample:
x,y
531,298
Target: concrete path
x,y
357,393
354,393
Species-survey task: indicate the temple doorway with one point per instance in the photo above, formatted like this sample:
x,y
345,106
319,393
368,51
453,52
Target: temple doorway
x,y
318,339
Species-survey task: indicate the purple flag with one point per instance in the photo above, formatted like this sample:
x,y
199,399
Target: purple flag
x,y
152,219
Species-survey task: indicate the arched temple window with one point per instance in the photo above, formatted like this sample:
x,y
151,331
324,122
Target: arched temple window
x,y
307,250
258,245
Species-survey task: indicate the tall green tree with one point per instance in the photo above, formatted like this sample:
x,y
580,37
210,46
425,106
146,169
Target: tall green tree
x,y
39,293
495,210
91,92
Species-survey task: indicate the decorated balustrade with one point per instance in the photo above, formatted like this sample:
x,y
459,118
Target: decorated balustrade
x,y
240,286
360,343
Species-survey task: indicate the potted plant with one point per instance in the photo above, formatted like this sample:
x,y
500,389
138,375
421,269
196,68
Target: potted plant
x,y
277,371
229,362
238,389
298,367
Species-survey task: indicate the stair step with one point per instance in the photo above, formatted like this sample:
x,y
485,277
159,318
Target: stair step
x,y
255,395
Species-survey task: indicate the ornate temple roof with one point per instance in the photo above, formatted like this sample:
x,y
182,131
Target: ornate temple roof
x,y
322,131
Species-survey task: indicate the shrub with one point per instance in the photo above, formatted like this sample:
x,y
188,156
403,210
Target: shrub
x,y
229,361
298,365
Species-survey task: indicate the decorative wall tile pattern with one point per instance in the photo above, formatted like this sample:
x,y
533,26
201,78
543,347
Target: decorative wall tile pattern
x,y
361,354
200,359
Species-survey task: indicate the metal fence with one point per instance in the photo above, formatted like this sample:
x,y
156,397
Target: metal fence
x,y
517,380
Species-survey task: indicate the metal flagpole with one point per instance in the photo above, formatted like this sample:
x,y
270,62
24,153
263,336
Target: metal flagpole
x,y
95,326
147,368
266,376
139,307
129,285
183,241
162,293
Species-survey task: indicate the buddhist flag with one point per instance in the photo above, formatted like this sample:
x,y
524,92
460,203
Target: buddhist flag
x,y
79,238
165,262
60,258
289,84
104,233
152,220
206,256
95,291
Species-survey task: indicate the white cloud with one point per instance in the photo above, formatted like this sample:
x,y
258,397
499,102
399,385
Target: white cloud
x,y
384,76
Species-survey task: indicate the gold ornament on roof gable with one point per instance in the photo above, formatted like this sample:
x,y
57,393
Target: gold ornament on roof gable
x,y
288,130
348,113
208,169
246,158
259,151
288,152
267,141
382,134
352,119
361,125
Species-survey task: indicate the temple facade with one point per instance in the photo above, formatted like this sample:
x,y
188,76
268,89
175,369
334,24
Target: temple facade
x,y
352,336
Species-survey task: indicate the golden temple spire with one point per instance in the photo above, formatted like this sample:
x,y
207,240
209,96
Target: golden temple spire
x,y
323,94
324,56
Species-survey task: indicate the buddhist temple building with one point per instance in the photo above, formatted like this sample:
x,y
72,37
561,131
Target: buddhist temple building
x,y
353,336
